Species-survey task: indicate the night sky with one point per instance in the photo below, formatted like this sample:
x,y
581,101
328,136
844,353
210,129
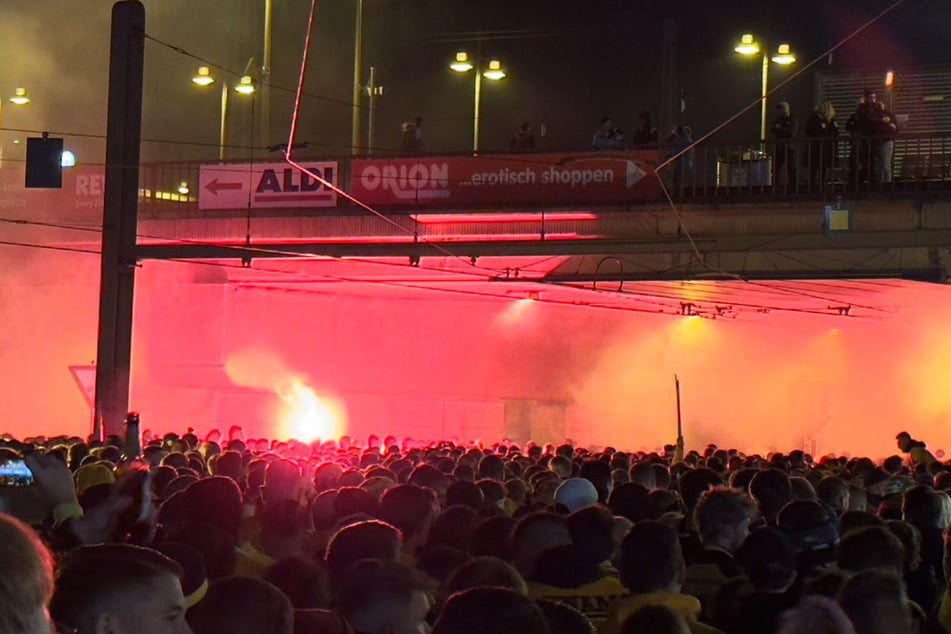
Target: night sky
x,y
570,61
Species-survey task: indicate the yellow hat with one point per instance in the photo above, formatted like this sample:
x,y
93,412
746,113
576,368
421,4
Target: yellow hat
x,y
92,474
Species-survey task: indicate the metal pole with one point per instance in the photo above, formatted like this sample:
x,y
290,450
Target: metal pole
x,y
765,90
477,104
357,86
371,98
223,134
120,210
266,76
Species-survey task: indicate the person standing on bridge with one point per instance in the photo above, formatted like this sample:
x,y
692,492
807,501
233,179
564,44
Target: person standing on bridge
x,y
412,136
822,132
524,140
784,130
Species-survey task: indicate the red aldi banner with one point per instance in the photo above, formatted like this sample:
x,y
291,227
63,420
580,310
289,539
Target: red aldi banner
x,y
516,179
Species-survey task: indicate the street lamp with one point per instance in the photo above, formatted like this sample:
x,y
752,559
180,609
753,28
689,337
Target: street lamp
x,y
246,86
19,98
748,46
494,72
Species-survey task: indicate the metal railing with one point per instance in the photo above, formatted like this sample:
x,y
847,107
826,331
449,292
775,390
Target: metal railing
x,y
847,167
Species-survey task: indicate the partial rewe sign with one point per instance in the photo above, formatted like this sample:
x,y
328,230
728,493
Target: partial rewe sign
x,y
539,179
266,186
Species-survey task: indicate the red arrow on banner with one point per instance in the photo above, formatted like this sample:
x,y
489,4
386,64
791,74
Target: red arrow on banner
x,y
214,186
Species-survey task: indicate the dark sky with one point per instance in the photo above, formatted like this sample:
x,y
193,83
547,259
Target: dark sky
x,y
571,61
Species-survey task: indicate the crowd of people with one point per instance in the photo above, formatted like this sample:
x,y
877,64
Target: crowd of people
x,y
229,535
871,131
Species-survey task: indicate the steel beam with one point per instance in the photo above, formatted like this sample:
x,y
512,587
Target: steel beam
x,y
536,247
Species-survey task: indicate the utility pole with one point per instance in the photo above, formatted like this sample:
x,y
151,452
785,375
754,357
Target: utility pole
x,y
357,85
266,77
119,218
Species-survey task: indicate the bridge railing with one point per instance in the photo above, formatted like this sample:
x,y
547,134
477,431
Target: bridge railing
x,y
821,169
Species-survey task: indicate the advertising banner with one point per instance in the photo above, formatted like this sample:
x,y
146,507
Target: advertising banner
x,y
516,179
265,186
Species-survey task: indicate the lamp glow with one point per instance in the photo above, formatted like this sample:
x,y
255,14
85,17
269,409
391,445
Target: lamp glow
x,y
495,71
245,85
183,188
20,98
747,45
784,55
462,64
67,159
203,77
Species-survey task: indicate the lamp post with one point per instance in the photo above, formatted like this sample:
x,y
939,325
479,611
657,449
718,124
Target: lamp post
x,y
494,72
19,98
357,85
749,47
245,86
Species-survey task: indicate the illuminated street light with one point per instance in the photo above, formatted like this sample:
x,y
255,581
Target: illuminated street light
x,y
204,78
494,72
784,56
749,47
20,98
245,85
461,63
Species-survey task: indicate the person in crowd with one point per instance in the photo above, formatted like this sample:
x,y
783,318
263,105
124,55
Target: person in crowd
x,y
920,582
369,539
875,602
411,509
680,147
862,125
822,132
815,615
646,133
534,534
916,450
239,605
784,129
607,136
561,618
656,619
652,568
26,582
283,526
523,140
833,492
304,580
485,572
886,131
496,610
385,597
723,518
772,490
768,559
119,588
